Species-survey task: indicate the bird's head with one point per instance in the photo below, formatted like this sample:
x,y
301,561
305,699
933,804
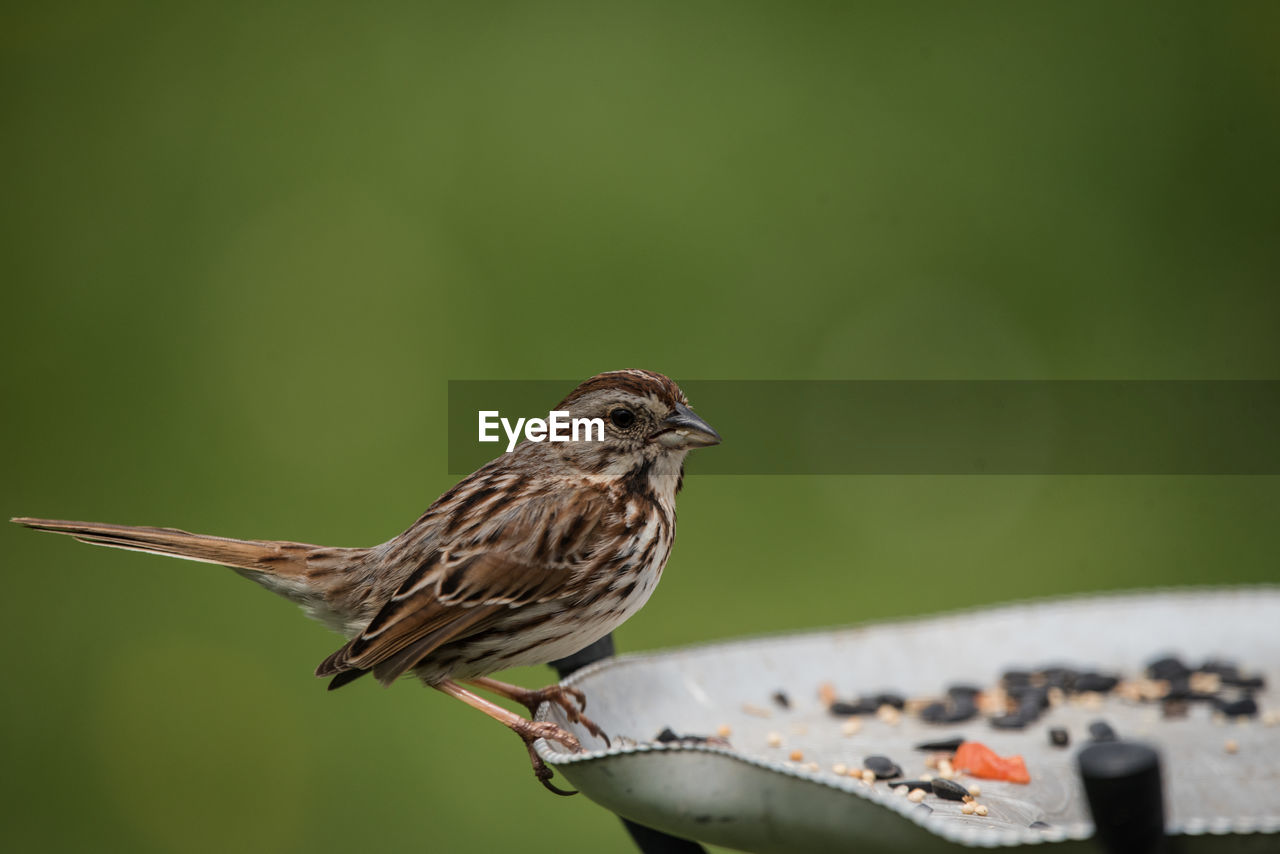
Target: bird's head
x,y
648,426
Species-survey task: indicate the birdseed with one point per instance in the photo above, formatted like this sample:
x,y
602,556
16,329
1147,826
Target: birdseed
x,y
1101,731
950,791
883,767
889,714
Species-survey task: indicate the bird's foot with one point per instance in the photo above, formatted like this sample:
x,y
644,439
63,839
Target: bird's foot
x,y
534,730
529,731
572,700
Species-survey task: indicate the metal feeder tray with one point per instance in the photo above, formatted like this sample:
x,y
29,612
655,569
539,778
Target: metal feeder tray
x,y
750,796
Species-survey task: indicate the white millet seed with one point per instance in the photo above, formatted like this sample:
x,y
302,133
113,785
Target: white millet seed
x,y
774,739
915,796
850,727
1205,683
839,769
967,808
868,776
724,730
975,790
980,809
901,790
889,715
1232,746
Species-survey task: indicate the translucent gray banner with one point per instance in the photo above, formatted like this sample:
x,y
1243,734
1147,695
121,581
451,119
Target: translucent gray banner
x,y
938,426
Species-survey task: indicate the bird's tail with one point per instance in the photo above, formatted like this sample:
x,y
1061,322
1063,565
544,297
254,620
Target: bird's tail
x,y
280,559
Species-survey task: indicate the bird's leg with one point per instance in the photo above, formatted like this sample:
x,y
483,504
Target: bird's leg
x,y
571,700
529,731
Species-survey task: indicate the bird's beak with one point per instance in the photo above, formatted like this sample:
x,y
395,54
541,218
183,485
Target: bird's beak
x,y
684,430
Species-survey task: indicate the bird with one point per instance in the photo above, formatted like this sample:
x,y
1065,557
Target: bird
x,y
531,558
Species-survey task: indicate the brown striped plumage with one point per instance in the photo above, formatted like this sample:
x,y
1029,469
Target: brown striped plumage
x,y
531,558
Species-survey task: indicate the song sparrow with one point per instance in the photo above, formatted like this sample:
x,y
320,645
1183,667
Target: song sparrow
x,y
534,556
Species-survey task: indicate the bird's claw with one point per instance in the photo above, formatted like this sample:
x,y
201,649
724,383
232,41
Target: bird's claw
x,y
544,773
573,702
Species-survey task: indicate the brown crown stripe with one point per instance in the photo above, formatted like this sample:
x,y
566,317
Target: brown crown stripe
x,y
639,383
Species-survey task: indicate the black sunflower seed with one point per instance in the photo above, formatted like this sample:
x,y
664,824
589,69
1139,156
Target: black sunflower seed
x,y
1031,701
1168,667
935,713
949,745
1225,670
1245,707
1012,679
1251,682
1094,682
961,712
843,709
882,766
949,790
1015,720
1101,731
970,692
890,699
1059,677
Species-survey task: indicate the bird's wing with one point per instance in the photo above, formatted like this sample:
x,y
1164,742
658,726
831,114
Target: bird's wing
x,y
540,551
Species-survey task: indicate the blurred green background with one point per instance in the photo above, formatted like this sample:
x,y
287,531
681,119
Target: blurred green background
x,y
245,246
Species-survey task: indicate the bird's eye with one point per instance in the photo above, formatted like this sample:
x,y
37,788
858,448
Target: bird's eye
x,y
622,418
